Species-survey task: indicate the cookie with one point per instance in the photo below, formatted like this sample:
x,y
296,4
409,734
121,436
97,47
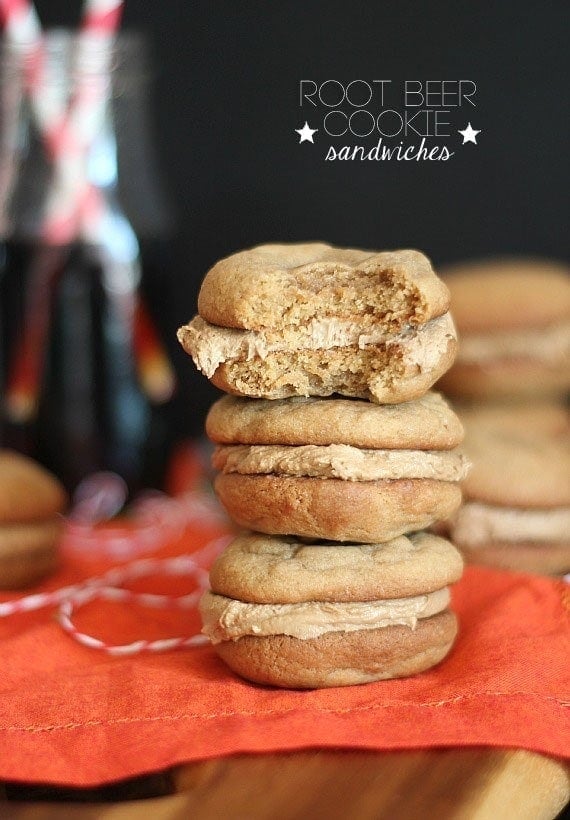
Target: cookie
x,y
31,503
274,286
516,469
257,568
549,418
339,491
342,659
318,615
516,494
508,293
335,509
313,320
513,318
427,423
28,492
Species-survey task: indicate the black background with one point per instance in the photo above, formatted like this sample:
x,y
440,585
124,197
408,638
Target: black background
x,y
225,106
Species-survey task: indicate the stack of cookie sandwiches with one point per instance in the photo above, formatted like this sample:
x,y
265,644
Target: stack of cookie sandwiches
x,y
510,383
333,456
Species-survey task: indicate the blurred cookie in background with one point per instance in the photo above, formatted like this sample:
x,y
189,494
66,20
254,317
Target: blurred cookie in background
x,y
513,321
516,511
32,501
547,417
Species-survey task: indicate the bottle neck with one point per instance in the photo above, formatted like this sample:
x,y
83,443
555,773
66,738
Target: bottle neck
x,y
75,143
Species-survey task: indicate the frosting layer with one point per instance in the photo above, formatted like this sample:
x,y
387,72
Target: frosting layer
x,y
341,461
480,524
212,345
226,619
548,345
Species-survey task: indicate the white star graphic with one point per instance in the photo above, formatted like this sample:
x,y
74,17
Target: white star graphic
x,y
469,134
306,133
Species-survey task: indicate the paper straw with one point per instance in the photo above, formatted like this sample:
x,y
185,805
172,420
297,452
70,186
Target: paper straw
x,y
67,132
102,16
75,207
62,129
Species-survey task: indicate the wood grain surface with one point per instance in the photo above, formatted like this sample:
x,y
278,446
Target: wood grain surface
x,y
469,784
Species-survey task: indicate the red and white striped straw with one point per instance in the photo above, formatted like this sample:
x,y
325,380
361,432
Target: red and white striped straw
x,y
73,204
75,207
103,16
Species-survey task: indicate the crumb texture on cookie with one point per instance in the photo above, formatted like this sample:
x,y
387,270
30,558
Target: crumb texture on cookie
x,y
278,285
395,369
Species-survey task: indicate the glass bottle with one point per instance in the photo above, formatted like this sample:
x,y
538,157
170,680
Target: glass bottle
x,y
84,233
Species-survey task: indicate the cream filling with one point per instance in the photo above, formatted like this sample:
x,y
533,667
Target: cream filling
x,y
210,345
477,524
226,619
341,461
549,345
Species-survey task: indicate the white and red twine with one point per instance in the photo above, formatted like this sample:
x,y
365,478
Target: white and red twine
x,y
170,516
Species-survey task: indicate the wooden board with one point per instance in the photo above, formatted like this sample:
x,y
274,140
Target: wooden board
x,y
470,784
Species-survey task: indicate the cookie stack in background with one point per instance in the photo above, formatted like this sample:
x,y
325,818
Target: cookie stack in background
x,y
510,384
513,319
333,456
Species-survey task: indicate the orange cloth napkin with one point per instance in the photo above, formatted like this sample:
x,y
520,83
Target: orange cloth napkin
x,y
73,715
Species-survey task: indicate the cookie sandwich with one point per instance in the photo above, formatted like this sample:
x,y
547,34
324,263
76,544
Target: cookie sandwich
x,y
312,320
513,319
287,613
336,469
516,512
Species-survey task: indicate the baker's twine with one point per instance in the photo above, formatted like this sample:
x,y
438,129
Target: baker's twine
x,y
158,518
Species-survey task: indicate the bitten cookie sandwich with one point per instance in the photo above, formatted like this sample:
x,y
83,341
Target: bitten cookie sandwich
x,y
313,320
516,513
31,504
337,469
298,615
513,319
